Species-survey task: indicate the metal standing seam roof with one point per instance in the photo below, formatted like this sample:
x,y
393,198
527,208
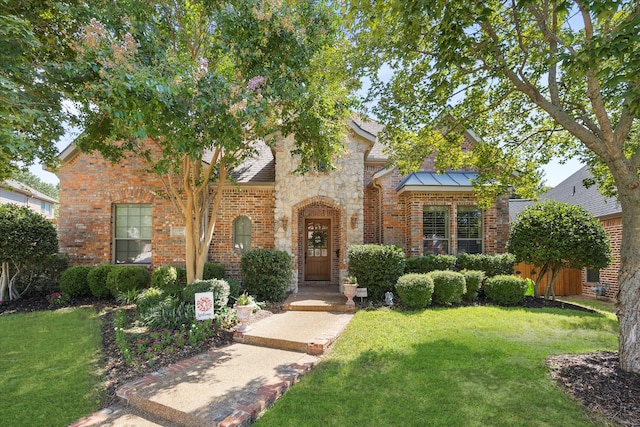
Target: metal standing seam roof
x,y
432,181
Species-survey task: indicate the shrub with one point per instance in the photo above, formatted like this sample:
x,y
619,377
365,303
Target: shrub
x,y
42,278
267,273
124,279
97,279
431,262
170,313
148,299
234,288
492,265
377,267
219,287
73,281
213,271
415,290
166,279
505,289
473,281
448,287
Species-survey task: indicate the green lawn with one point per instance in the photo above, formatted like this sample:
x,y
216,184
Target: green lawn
x,y
473,366
49,367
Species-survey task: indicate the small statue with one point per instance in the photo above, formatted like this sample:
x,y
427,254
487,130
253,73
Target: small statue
x,y
388,298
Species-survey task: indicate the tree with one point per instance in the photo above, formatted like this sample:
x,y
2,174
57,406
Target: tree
x,y
190,86
27,238
28,178
31,85
533,79
553,235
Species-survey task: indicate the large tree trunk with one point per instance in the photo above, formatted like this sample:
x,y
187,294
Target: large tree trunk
x,y
629,285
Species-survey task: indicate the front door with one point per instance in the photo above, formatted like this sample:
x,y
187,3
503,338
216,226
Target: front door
x,y
317,266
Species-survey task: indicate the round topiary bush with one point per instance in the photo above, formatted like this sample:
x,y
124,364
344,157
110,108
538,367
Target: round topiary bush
x,y
377,267
165,278
213,271
473,281
97,279
127,278
266,273
219,287
505,289
73,281
415,290
448,287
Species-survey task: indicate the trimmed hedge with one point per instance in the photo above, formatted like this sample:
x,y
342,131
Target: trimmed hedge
x,y
431,262
213,271
492,265
219,287
73,281
505,289
448,287
266,273
473,281
97,279
377,267
127,278
415,290
166,278
234,287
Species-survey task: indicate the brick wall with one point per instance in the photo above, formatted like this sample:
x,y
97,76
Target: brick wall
x,y
609,275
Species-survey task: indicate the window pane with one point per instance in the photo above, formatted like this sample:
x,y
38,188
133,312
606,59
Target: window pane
x,y
435,230
242,234
133,233
133,251
469,246
593,275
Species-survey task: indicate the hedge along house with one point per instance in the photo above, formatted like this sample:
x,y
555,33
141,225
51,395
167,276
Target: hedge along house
x,y
113,213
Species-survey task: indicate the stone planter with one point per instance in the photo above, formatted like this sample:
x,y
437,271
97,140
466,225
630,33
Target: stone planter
x,y
243,314
350,292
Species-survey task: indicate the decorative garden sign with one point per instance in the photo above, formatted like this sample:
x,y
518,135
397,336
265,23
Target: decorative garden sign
x,y
204,305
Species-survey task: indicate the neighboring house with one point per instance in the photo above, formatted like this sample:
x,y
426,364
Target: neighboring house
x,y
601,282
113,213
12,191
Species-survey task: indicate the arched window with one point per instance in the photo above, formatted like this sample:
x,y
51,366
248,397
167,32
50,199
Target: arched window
x,y
242,234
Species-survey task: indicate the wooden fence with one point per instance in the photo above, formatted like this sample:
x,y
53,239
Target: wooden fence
x,y
569,281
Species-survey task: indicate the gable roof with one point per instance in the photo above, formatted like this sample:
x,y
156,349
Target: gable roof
x,y
518,205
572,190
439,182
18,187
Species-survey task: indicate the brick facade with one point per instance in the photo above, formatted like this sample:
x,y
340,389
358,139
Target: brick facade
x,y
609,275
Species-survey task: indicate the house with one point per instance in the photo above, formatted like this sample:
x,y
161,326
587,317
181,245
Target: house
x,y
114,214
602,282
12,191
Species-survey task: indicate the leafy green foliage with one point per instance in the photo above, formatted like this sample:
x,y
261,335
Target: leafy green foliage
x,y
33,181
97,279
492,265
166,278
41,278
377,267
415,290
266,273
213,271
122,279
473,281
219,287
431,262
448,287
234,287
73,281
505,289
149,298
170,313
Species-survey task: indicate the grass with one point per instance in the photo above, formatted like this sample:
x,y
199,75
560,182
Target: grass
x,y
472,366
49,373
602,305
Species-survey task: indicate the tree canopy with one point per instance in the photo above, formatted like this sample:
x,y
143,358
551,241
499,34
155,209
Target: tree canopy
x,y
190,86
533,80
553,235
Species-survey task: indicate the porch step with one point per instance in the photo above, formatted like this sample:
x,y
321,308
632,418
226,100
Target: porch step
x,y
318,299
309,332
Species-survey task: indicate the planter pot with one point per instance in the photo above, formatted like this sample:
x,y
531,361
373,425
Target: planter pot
x,y
243,314
350,292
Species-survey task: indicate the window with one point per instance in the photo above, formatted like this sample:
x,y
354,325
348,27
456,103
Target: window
x,y
46,209
132,234
435,230
469,225
593,276
242,234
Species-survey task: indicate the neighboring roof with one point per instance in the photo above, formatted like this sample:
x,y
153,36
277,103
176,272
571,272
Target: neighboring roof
x,y
431,181
572,190
18,187
260,168
518,205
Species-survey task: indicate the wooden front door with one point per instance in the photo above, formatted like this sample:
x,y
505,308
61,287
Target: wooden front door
x,y
317,266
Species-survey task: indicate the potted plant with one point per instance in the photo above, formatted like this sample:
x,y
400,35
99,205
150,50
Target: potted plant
x,y
244,309
350,286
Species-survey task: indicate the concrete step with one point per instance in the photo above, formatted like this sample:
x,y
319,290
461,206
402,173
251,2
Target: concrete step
x,y
318,299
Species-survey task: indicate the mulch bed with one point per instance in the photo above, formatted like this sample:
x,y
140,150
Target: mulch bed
x,y
595,380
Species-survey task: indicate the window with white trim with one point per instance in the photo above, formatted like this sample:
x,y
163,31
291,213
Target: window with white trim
x,y
469,230
132,236
435,230
242,234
